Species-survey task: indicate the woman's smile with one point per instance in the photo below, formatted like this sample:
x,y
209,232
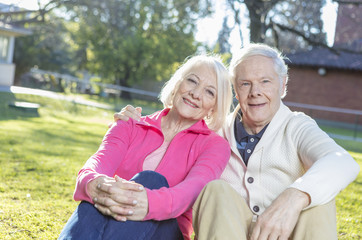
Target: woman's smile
x,y
188,102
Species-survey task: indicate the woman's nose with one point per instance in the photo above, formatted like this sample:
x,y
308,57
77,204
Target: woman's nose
x,y
196,92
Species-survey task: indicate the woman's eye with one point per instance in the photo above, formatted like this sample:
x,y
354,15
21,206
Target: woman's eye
x,y
244,84
211,93
192,80
266,80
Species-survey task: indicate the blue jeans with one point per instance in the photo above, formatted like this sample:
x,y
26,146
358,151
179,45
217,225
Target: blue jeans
x,y
89,224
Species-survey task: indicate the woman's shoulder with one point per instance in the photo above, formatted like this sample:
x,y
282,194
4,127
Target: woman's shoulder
x,y
156,115
120,127
215,140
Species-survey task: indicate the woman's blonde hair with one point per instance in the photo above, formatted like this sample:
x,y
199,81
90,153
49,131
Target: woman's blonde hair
x,y
224,93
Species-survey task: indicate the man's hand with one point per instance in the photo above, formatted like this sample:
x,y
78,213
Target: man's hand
x,y
128,112
279,219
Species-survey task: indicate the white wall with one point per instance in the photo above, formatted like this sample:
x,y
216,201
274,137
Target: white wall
x,y
7,72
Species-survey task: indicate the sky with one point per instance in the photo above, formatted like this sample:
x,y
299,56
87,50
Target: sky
x,y
208,28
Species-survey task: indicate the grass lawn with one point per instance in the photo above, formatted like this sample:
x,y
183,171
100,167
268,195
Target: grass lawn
x,y
40,156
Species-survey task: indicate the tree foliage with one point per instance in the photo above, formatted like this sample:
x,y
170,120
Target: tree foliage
x,y
47,48
299,22
139,41
223,37
124,41
129,41
301,16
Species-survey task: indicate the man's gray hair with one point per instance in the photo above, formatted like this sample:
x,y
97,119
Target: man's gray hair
x,y
260,49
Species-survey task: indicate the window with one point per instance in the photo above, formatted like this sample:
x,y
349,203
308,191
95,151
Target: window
x,y
4,46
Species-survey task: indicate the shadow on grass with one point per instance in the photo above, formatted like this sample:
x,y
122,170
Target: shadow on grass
x,y
357,182
10,113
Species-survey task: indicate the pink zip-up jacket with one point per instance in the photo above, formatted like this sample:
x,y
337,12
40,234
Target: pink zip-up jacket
x,y
194,157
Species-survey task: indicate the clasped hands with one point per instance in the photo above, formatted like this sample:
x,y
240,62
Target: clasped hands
x,y
119,198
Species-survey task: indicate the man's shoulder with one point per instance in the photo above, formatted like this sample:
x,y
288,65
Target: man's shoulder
x,y
293,116
289,120
298,117
299,121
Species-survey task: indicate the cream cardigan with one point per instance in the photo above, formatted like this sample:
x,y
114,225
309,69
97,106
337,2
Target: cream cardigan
x,y
293,152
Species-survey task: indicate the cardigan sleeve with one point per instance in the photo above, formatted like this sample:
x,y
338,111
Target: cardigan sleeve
x,y
329,167
166,203
105,161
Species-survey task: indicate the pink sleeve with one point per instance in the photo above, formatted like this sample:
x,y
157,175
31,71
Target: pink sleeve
x,y
105,161
166,203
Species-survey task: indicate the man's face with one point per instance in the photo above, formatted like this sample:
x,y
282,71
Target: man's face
x,y
258,90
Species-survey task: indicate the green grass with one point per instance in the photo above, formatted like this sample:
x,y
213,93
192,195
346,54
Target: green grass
x,y
349,205
342,131
39,159
40,155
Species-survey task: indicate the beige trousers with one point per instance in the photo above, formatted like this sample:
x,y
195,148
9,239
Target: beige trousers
x,y
221,213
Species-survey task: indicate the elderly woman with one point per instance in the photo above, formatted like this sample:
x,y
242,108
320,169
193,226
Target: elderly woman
x,y
146,175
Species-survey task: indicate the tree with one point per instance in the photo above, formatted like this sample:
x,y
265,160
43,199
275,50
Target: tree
x,y
13,15
303,17
130,41
298,21
224,34
258,13
47,47
124,41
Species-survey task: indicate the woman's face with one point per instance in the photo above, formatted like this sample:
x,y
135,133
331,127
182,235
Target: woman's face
x,y
196,95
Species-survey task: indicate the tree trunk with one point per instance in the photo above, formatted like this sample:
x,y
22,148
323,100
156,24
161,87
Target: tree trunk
x,y
258,11
124,83
125,94
256,26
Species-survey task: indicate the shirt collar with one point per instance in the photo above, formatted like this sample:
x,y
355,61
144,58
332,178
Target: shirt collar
x,y
240,132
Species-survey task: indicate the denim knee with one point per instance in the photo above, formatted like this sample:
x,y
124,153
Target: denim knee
x,y
150,179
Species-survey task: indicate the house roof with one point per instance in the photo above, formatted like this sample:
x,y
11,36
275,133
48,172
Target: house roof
x,y
10,30
323,57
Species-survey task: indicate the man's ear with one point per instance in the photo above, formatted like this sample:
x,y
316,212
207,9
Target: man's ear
x,y
282,88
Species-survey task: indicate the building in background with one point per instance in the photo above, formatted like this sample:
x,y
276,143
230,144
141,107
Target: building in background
x,y
331,81
8,33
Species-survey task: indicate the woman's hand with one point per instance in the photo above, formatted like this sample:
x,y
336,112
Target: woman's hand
x,y
140,210
119,198
92,187
128,112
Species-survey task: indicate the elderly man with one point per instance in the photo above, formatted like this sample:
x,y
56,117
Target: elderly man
x,y
284,171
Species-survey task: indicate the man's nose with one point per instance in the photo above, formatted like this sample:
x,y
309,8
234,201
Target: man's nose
x,y
255,90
